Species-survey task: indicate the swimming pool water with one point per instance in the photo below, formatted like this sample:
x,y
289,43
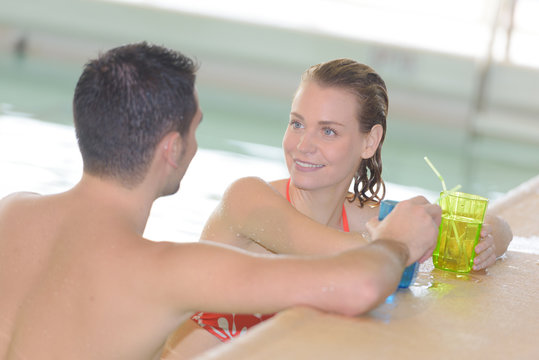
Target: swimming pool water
x,y
253,124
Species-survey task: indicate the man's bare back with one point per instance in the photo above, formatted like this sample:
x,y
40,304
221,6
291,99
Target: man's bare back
x,y
74,274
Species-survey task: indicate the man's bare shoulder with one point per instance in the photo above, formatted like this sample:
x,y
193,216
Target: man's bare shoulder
x,y
13,201
21,195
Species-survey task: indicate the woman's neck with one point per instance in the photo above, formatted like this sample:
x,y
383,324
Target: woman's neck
x,y
322,205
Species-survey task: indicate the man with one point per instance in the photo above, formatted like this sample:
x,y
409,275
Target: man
x,y
78,280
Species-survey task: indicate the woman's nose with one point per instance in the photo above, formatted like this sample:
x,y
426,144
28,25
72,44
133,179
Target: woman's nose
x,y
306,144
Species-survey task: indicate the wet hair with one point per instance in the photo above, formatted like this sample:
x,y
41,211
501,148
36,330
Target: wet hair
x,y
371,94
125,101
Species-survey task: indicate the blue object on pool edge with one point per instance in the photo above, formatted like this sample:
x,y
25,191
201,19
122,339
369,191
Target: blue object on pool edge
x,y
385,208
409,274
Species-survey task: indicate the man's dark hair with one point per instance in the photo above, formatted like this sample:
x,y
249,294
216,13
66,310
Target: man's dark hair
x,y
125,101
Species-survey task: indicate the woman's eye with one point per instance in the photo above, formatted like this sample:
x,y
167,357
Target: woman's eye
x,y
296,124
329,132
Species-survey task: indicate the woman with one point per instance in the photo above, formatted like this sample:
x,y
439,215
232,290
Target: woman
x,y
334,137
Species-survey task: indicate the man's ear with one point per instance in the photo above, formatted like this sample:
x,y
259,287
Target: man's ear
x,y
372,140
171,148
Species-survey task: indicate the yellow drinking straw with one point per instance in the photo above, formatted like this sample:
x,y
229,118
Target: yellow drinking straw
x,y
455,188
436,172
441,179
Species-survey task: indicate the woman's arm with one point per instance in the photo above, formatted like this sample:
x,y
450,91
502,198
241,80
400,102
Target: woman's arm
x,y
253,209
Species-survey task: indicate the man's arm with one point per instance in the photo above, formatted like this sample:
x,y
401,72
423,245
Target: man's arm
x,y
217,278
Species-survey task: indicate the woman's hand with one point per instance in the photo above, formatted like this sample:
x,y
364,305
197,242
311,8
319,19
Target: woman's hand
x,y
485,250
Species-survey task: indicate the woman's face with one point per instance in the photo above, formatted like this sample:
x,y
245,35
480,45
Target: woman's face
x,y
322,143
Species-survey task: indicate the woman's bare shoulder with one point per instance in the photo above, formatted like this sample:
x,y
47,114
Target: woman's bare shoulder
x,y
359,215
246,195
244,215
247,187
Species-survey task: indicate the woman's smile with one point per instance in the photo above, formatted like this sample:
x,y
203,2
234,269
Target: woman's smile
x,y
307,166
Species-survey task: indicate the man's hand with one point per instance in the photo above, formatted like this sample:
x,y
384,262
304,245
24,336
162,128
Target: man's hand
x,y
414,222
